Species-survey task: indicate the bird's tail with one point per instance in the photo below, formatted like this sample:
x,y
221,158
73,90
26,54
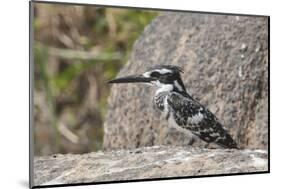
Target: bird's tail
x,y
227,142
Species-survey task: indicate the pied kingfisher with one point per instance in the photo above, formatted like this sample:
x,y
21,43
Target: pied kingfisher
x,y
179,108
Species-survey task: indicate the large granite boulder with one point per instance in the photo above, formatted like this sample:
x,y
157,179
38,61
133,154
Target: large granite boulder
x,y
225,62
145,163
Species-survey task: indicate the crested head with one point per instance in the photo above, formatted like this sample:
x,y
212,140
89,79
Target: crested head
x,y
166,78
166,68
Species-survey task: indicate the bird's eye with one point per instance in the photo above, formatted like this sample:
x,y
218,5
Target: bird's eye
x,y
155,74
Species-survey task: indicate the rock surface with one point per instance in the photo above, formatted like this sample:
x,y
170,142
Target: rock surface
x,y
145,163
225,62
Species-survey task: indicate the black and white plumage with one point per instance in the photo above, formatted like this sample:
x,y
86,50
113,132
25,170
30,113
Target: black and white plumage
x,y
179,108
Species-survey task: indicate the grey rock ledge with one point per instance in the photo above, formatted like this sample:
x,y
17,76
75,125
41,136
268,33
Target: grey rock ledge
x,y
145,163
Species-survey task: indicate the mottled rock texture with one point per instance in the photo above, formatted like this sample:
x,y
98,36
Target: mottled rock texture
x,y
145,163
225,62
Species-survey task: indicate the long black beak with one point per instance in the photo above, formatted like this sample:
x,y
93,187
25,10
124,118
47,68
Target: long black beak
x,y
132,79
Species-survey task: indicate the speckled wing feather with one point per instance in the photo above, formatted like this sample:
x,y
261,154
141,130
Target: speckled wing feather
x,y
190,114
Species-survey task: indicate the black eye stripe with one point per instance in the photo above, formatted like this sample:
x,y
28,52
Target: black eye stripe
x,y
155,74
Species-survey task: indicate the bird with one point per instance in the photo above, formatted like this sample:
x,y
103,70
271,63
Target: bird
x,y
179,108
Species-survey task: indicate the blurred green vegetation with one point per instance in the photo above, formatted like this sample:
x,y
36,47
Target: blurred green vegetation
x,y
76,50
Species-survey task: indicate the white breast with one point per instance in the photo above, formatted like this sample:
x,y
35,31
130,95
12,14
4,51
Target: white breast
x,y
166,106
163,87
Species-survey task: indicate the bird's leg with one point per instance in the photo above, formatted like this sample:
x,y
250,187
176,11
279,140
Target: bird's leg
x,y
207,145
212,146
191,141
